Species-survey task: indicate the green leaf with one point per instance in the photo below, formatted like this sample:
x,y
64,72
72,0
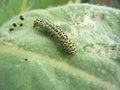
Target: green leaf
x,y
10,8
31,60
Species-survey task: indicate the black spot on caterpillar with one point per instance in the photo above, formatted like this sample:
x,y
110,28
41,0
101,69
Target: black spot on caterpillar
x,y
55,32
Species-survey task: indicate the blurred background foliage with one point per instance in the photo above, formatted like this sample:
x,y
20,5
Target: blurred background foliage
x,y
10,8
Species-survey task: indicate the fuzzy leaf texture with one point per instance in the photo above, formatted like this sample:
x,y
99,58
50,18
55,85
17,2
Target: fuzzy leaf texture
x,y
31,60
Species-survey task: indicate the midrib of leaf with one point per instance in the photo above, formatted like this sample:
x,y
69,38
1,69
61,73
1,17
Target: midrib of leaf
x,y
59,65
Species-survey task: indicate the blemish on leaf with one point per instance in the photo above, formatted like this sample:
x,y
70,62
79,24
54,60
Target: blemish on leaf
x,y
21,25
21,18
14,24
11,29
26,59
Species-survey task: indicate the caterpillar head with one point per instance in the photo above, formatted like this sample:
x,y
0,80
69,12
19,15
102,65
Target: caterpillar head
x,y
37,23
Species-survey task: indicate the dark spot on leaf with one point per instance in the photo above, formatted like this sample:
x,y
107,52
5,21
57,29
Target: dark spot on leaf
x,y
21,18
21,25
26,59
14,24
11,29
